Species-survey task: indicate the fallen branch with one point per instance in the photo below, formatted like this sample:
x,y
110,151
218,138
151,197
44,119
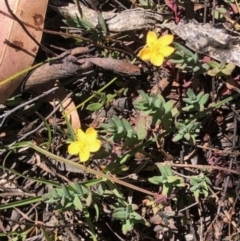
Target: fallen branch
x,y
70,64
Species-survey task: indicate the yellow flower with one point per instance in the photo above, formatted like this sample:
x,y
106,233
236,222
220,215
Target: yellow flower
x,y
85,143
156,48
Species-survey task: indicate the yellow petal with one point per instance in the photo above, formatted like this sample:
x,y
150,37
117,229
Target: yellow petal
x,y
165,40
91,134
74,148
95,146
151,38
84,155
167,50
145,54
157,59
80,135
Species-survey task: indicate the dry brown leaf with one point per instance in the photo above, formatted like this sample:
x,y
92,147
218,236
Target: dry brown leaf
x,y
60,95
68,106
17,48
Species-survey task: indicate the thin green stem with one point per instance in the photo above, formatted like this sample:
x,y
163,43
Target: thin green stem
x,y
93,95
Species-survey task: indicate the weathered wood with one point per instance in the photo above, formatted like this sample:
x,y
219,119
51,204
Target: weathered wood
x,y
213,40
127,20
68,64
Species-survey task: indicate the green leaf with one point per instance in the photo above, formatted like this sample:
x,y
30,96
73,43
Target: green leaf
x,y
175,112
181,184
221,10
227,71
195,187
110,98
130,131
143,95
94,106
172,179
120,214
191,94
205,193
179,125
163,171
62,202
187,136
200,108
156,180
213,72
136,216
204,99
77,202
169,106
178,137
167,169
89,199
183,49
141,128
195,58
188,101
161,99
196,69
66,191
205,66
183,66
222,65
208,180
200,95
192,140
193,182
190,126
127,227
189,108
217,14
213,64
119,125
195,179
176,61
77,188
14,101
97,210
196,193
158,103
231,66
102,22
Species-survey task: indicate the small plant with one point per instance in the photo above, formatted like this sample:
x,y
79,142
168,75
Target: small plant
x,y
156,106
168,180
200,185
195,102
186,60
104,100
129,217
75,196
77,22
220,69
120,129
187,131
